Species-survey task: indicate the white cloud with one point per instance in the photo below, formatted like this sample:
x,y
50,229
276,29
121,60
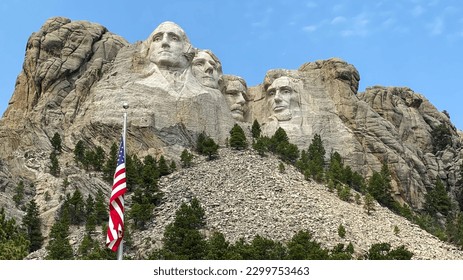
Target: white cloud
x,y
310,28
338,20
418,11
311,4
437,26
357,26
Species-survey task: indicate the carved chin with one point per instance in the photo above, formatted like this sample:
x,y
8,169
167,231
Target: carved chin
x,y
237,116
283,116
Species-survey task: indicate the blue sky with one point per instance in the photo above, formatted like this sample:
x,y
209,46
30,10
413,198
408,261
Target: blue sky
x,y
413,43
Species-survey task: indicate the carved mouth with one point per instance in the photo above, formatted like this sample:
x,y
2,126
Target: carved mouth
x,y
279,108
237,111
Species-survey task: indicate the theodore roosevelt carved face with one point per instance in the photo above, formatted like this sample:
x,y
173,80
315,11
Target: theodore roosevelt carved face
x,y
207,69
235,91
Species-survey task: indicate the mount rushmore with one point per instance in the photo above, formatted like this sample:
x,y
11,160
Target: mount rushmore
x,y
77,74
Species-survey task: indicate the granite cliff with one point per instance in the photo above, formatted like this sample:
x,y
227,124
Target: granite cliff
x,y
76,74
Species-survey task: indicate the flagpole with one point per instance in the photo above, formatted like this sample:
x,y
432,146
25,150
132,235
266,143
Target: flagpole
x,y
120,249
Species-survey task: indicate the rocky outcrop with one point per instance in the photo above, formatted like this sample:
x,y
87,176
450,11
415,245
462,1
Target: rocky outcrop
x,y
76,76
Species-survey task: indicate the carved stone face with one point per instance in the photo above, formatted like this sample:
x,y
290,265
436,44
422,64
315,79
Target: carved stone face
x,y
234,93
168,46
205,69
279,93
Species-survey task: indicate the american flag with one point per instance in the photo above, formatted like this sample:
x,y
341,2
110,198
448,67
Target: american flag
x,y
116,203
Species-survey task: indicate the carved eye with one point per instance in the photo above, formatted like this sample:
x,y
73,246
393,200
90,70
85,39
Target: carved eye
x,y
157,38
271,92
175,38
286,91
198,63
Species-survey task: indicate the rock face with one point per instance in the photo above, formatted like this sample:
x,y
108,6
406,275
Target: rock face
x,y
77,74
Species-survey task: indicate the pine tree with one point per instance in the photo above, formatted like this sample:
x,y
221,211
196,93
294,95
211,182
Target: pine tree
x,y
101,208
163,167
56,143
99,159
32,224
54,164
238,138
182,238
379,186
14,244
186,158
438,200
206,146
261,145
369,203
111,164
256,130
79,152
59,247
77,209
302,247
316,155
18,193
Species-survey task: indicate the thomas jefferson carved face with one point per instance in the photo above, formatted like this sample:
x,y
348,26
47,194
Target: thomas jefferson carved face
x,y
279,93
206,68
168,46
235,92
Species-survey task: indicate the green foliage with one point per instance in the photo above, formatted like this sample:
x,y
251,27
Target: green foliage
x,y
341,231
441,138
182,238
302,247
261,145
18,193
186,158
288,152
111,164
14,243
163,167
379,186
172,166
217,247
79,152
101,208
396,230
344,193
437,200
341,252
266,249
316,159
454,229
369,203
32,224
59,247
56,143
76,206
54,164
238,139
382,251
256,130
205,145
281,167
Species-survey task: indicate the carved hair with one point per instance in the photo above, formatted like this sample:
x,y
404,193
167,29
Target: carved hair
x,y
214,57
229,78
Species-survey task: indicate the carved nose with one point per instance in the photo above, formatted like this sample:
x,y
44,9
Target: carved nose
x,y
240,100
277,96
209,70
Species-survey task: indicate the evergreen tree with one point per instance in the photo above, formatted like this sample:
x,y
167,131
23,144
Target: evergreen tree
x,y
14,243
267,249
111,164
59,247
316,155
206,146
437,200
186,158
379,186
256,130
238,138
382,251
101,208
261,145
302,247
56,143
182,238
163,167
280,137
77,211
32,224
172,166
441,137
369,203
288,152
79,152
18,193
54,164
217,247
99,159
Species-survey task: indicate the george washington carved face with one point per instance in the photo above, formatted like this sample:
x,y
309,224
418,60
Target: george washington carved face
x,y
169,46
